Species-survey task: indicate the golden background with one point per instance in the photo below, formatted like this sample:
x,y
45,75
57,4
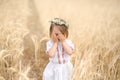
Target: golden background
x,y
94,29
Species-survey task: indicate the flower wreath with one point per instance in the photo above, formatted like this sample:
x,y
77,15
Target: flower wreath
x,y
60,22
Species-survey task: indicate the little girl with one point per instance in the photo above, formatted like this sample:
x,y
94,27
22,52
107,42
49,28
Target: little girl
x,y
59,49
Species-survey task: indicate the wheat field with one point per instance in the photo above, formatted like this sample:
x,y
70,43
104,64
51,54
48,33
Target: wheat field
x,y
94,29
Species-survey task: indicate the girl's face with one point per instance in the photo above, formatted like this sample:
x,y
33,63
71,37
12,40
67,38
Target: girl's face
x,y
57,34
56,30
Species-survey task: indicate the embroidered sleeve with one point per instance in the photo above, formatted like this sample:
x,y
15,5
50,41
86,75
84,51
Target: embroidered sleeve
x,y
69,42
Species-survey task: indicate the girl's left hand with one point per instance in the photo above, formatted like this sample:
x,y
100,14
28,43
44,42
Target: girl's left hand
x,y
61,37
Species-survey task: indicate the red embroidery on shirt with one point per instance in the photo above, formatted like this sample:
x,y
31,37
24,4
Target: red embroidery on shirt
x,y
62,55
58,56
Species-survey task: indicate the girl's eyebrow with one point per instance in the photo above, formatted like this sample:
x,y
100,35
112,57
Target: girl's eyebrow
x,y
58,33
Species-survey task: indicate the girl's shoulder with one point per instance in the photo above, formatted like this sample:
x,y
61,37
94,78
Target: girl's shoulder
x,y
70,43
49,42
68,40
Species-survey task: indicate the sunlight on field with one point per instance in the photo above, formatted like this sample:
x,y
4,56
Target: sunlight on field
x,y
94,29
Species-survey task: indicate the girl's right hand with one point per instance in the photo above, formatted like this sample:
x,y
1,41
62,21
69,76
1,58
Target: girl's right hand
x,y
54,37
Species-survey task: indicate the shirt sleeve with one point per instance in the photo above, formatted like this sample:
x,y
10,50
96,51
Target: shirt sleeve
x,y
69,42
48,46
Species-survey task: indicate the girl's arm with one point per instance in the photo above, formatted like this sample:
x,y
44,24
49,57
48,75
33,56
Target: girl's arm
x,y
52,50
67,48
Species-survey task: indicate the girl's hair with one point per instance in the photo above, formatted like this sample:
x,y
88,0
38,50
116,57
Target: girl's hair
x,y
62,25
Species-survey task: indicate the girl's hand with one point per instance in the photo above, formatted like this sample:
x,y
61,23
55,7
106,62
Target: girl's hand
x,y
54,37
61,37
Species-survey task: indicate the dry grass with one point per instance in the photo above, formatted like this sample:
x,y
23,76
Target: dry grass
x,y
94,29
